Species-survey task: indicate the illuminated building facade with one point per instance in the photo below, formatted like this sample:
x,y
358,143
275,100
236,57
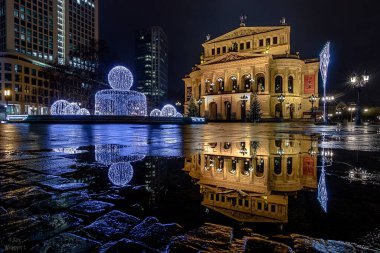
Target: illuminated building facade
x,y
35,34
152,65
249,60
250,180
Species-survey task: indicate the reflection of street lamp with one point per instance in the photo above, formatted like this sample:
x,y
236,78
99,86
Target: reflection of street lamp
x,y
358,82
351,110
281,99
199,102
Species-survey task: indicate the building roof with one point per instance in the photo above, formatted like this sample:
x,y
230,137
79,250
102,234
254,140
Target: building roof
x,y
245,31
233,56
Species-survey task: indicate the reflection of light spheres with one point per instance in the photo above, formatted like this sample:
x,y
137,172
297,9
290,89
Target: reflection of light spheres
x,y
108,154
119,157
120,100
120,174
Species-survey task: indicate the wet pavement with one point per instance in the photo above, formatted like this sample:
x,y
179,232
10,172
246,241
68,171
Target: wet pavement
x,y
94,185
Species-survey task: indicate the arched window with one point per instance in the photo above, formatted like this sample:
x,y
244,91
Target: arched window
x,y
289,165
290,84
234,82
260,84
233,168
278,84
259,167
277,165
221,84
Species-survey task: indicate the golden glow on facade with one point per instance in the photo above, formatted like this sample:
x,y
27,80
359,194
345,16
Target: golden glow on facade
x,y
251,60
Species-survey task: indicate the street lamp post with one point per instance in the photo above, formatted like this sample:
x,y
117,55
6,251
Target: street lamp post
x,y
199,102
358,82
7,94
312,100
178,104
244,100
281,99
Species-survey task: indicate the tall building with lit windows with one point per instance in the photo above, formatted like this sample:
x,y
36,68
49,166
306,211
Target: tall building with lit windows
x,y
253,60
152,65
35,34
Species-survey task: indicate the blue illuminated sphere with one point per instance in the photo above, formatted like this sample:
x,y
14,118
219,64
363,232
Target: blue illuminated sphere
x,y
120,78
58,107
168,111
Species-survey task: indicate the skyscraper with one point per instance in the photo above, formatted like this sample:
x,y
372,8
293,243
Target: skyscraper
x,y
152,65
35,34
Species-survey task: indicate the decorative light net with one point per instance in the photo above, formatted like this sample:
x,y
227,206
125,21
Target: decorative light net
x,y
71,109
155,113
83,111
58,107
120,174
108,154
120,101
168,111
120,78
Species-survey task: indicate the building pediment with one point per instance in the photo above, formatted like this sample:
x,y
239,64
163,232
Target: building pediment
x,y
230,57
244,31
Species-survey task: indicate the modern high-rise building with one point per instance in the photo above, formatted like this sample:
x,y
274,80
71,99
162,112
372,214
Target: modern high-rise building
x,y
36,34
152,65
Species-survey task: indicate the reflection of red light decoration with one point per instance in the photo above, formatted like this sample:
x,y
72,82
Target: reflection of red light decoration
x,y
309,84
308,166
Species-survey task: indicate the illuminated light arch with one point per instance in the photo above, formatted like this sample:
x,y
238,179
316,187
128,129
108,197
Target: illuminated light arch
x,y
83,111
58,107
168,111
120,174
71,109
155,113
178,115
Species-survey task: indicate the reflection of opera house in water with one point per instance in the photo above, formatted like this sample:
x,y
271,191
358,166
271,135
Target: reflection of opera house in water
x,y
250,181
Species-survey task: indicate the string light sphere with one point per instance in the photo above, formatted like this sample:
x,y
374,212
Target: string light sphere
x,y
120,78
178,115
71,109
83,111
58,107
168,111
120,174
155,113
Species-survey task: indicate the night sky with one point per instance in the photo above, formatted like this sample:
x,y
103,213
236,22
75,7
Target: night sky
x,y
351,26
